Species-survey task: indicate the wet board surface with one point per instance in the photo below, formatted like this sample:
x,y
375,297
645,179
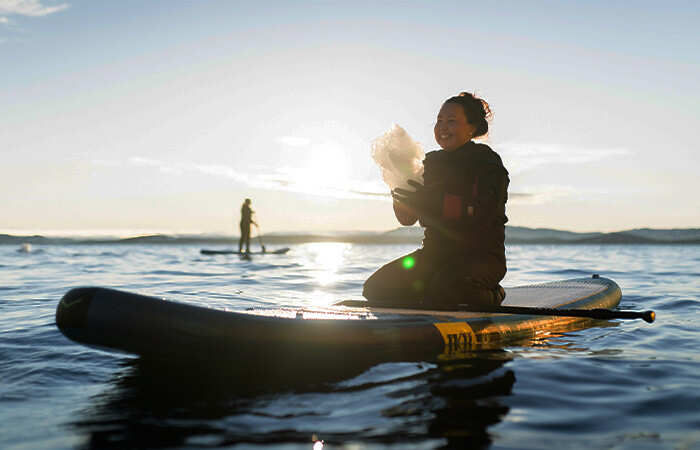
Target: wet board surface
x,y
147,326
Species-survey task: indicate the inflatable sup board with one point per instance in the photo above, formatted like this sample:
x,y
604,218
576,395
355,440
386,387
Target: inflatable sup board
x,y
152,327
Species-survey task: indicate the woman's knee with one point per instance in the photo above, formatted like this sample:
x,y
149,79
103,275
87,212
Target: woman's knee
x,y
371,289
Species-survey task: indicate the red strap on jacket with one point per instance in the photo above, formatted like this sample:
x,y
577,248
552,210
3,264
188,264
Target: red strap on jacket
x,y
452,207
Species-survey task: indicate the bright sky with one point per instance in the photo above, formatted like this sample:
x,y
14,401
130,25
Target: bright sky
x,y
163,116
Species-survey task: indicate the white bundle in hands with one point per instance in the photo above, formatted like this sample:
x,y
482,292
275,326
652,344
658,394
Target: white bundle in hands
x,y
399,157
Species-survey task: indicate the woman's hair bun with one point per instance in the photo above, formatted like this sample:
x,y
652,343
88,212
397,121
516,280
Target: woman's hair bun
x,y
476,109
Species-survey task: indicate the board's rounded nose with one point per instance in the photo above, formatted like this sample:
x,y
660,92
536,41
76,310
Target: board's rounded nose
x,y
73,308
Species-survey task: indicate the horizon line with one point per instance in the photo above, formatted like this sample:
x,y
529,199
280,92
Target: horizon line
x,y
124,233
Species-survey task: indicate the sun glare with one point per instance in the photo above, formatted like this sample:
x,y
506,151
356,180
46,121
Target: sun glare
x,y
328,166
327,258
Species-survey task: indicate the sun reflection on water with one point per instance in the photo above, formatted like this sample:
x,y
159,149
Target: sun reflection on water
x,y
326,259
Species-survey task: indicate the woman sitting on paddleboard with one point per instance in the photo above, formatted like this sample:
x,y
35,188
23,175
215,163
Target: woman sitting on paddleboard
x,y
462,207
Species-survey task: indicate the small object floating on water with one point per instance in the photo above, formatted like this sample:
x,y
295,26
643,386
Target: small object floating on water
x,y
25,248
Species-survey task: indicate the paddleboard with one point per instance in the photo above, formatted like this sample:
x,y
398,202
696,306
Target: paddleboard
x,y
122,321
280,251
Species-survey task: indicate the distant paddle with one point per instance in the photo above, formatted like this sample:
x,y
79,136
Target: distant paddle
x,y
260,238
597,313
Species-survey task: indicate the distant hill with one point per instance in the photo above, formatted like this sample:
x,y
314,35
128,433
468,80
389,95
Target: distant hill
x,y
544,235
401,235
674,234
522,235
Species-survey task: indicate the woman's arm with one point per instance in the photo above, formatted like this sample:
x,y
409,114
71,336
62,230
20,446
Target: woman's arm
x,y
492,194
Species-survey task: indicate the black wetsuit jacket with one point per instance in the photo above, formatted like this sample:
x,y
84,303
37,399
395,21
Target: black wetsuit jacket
x,y
470,185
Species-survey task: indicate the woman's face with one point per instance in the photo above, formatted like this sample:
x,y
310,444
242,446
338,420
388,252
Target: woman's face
x,y
452,129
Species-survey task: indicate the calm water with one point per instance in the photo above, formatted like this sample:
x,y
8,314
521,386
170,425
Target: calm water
x,y
618,385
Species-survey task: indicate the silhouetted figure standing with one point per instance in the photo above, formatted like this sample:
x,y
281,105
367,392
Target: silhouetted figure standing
x,y
246,221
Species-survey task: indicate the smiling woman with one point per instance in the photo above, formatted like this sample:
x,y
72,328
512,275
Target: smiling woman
x,y
461,205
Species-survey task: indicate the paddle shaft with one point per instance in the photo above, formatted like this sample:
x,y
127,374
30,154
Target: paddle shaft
x,y
260,238
598,313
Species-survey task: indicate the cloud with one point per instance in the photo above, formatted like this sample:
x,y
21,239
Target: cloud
x,y
279,179
31,8
299,180
520,157
290,179
538,195
293,141
144,162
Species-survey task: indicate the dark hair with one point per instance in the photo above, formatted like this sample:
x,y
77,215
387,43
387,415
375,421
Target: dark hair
x,y
476,109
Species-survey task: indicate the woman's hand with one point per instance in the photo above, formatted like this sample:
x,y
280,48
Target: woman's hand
x,y
421,200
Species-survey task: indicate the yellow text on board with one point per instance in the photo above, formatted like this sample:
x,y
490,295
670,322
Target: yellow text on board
x,y
458,336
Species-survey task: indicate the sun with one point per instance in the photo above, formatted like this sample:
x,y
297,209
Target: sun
x,y
320,169
328,166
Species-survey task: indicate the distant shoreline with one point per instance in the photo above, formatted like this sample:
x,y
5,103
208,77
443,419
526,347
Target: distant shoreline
x,y
403,235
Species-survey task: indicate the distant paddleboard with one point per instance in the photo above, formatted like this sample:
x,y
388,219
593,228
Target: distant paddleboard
x,y
280,251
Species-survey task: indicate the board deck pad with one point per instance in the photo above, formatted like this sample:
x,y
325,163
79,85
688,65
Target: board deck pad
x,y
556,294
